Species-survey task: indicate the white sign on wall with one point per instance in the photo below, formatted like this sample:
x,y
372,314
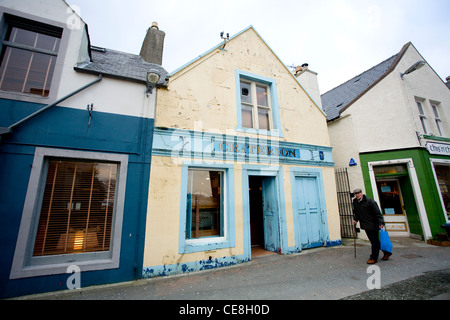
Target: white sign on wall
x,y
438,148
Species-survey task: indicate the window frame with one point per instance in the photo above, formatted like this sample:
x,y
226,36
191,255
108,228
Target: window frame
x,y
24,263
422,116
435,106
40,29
222,205
187,245
272,100
7,13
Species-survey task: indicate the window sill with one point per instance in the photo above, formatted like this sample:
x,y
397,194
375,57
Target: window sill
x,y
205,244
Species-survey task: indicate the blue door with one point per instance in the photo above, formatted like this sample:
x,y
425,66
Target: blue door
x,y
270,214
309,212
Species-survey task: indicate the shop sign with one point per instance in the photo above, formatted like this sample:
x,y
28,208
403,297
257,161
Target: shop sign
x,y
438,148
250,149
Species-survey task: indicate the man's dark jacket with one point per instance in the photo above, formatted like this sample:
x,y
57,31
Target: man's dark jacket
x,y
367,213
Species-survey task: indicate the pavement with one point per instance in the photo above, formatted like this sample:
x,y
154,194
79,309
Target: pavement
x,y
415,271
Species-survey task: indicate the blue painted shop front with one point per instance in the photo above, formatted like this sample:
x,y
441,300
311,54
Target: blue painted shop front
x,y
65,134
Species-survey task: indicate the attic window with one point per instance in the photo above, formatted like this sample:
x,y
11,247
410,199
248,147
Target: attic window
x,y
28,56
339,105
357,80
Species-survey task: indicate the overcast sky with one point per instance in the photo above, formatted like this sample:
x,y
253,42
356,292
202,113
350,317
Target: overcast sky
x,y
338,38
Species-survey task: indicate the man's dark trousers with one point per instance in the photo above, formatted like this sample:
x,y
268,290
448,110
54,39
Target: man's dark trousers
x,y
374,239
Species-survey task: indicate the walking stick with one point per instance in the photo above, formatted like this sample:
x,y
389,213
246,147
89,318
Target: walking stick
x,y
354,240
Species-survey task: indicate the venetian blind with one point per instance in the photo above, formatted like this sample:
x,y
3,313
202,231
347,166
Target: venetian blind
x,y
77,208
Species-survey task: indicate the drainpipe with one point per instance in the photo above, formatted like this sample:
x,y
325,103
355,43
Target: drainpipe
x,y
5,130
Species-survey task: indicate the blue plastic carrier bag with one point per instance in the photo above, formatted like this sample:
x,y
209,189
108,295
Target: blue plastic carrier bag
x,y
386,244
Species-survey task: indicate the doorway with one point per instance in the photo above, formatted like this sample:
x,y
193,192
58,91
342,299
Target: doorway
x,y
392,206
264,227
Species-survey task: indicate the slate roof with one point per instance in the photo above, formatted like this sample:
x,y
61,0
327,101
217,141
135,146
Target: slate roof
x,y
121,65
337,99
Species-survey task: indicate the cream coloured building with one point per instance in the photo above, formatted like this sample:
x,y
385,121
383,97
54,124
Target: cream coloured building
x,y
241,163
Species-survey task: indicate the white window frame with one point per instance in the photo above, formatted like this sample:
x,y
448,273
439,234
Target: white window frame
x,y
422,116
436,106
254,105
24,264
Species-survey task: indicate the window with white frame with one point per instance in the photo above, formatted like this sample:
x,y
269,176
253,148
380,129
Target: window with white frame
x,y
437,118
73,213
28,56
255,105
422,117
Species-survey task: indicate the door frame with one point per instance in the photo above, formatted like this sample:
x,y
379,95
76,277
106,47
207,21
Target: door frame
x,y
265,171
415,186
309,173
391,219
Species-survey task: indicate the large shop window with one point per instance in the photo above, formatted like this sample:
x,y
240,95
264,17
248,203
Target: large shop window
x,y
77,208
204,214
442,171
28,56
73,213
206,208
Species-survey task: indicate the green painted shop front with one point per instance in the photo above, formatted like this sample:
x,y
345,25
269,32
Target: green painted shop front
x,y
418,174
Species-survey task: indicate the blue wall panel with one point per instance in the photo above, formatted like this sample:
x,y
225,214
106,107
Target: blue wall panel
x,y
68,128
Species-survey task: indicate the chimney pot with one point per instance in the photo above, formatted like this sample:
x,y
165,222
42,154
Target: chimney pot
x,y
155,25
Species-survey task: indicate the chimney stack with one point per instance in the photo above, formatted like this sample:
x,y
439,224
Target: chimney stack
x,y
153,45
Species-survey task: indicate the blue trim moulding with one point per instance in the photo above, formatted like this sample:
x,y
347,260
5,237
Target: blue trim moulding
x,y
203,146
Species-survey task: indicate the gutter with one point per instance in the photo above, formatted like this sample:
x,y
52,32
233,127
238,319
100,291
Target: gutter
x,y
5,130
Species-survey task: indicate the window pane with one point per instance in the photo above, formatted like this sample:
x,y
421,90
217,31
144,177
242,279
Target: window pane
x,y
14,69
424,126
435,110
28,71
77,208
204,209
263,118
419,105
261,93
23,37
246,92
247,117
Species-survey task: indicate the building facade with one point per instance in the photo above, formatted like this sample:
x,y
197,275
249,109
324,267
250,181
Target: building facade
x,y
75,153
389,126
241,161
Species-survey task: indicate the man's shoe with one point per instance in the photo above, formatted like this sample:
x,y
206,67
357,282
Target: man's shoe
x,y
386,256
371,261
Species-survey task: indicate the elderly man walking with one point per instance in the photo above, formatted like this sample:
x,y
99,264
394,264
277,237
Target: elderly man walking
x,y
367,212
